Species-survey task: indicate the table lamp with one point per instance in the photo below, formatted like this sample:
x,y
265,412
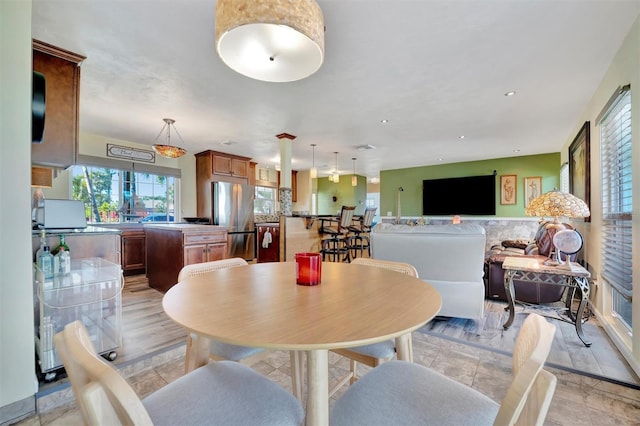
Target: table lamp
x,y
557,204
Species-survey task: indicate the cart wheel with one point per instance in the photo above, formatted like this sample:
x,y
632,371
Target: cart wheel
x,y
48,377
111,356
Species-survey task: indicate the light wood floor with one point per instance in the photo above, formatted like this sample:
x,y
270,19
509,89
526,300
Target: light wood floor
x,y
145,327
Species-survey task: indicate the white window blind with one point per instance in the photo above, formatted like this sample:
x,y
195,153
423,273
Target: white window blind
x,y
615,146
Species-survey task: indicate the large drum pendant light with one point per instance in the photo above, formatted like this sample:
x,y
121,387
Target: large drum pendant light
x,y
270,40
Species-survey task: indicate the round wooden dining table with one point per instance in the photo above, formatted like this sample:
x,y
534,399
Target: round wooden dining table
x,y
260,305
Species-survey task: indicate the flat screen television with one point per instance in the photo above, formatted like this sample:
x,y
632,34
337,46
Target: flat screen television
x,y
472,195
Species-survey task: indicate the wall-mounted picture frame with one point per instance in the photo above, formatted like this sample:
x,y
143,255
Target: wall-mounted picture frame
x,y
580,165
508,189
532,189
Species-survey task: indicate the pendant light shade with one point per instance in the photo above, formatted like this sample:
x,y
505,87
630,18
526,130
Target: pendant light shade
x,y
313,172
167,150
270,40
335,177
354,178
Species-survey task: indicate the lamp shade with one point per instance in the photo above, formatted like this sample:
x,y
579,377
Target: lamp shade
x,y
270,40
168,150
557,204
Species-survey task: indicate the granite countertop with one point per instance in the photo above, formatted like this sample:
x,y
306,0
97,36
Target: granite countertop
x,y
183,226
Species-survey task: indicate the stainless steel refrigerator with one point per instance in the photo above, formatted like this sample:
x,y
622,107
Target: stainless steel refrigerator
x,y
233,209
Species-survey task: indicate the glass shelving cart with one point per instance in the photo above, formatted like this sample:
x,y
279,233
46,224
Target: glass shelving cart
x,y
91,293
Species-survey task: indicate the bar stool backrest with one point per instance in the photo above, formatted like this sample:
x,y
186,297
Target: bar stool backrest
x,y
367,218
346,217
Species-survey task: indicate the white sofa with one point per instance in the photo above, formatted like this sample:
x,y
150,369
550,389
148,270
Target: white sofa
x,y
449,257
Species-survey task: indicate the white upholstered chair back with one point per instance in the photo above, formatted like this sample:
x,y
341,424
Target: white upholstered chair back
x,y
206,267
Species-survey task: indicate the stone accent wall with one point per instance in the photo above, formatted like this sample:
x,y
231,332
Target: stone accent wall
x,y
266,218
285,201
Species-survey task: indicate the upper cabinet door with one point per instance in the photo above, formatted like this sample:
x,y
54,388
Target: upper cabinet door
x,y
221,165
61,70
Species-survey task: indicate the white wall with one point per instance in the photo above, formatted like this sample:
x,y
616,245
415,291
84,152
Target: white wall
x,y
17,359
304,188
624,69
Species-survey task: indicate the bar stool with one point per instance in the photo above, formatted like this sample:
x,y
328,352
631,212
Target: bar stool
x,y
359,241
336,246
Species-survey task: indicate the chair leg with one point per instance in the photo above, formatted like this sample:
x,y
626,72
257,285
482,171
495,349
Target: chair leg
x,y
354,377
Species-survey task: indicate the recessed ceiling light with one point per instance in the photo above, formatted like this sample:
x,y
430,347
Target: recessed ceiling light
x,y
227,143
461,137
510,93
516,150
440,159
384,121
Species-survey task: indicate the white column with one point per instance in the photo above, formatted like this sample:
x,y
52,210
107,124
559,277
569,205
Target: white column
x,y
285,162
284,191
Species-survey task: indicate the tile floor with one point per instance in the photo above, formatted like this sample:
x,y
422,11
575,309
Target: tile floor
x,y
578,400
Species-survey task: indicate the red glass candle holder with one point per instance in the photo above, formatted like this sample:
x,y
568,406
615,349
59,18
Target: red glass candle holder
x,y
308,268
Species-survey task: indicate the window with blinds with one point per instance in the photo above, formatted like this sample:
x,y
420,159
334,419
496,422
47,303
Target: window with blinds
x,y
615,153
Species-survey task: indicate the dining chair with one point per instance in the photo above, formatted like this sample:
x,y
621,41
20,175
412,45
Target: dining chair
x,y
375,353
359,241
336,246
218,393
404,393
219,351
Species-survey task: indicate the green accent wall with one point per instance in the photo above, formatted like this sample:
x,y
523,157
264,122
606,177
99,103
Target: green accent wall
x,y
545,165
346,195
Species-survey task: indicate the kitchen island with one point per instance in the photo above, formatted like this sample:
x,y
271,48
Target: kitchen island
x,y
170,247
299,234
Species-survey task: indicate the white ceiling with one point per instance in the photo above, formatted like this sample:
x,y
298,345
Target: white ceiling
x,y
436,69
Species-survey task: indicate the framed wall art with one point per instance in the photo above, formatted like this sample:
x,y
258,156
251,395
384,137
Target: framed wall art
x,y
508,189
532,189
580,166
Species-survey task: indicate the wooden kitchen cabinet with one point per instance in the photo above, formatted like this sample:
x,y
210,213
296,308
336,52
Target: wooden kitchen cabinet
x,y
204,247
61,69
268,249
133,251
170,247
230,166
214,166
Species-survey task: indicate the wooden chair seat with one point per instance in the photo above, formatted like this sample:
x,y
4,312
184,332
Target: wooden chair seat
x,y
220,393
219,351
376,353
403,393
